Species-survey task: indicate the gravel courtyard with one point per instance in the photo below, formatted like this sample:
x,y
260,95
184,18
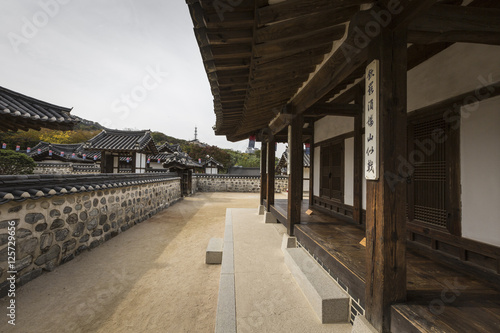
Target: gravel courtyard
x,y
152,278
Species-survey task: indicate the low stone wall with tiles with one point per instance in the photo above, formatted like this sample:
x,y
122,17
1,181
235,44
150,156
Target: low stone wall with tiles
x,y
53,230
228,183
65,169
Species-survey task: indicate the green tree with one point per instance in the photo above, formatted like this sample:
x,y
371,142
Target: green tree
x,y
13,163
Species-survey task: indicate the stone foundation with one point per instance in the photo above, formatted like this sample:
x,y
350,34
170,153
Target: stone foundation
x,y
228,183
53,230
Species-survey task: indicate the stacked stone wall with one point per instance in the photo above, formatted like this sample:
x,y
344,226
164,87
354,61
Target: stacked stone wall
x,y
228,183
52,231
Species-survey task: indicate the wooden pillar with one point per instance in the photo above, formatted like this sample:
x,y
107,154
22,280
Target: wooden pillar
x,y
263,172
311,169
296,156
386,198
358,166
271,153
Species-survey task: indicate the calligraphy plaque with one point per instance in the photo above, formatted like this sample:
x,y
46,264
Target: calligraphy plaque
x,y
371,120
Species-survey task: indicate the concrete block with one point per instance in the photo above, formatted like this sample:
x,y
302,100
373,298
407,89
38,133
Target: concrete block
x,y
288,242
362,325
269,218
261,210
328,300
214,251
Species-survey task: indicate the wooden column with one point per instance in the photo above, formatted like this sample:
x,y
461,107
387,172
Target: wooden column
x,y
271,153
263,172
311,169
385,213
296,156
358,166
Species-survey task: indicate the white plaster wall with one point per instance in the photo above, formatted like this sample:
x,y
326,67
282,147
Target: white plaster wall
x,y
480,165
457,70
332,126
306,179
317,152
349,172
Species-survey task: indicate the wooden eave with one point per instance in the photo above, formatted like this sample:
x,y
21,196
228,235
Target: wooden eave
x,y
265,60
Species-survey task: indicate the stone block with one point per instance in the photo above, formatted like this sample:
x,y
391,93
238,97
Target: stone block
x,y
328,300
214,251
269,218
362,325
288,242
261,210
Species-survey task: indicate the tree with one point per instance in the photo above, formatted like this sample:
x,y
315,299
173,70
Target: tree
x,y
13,163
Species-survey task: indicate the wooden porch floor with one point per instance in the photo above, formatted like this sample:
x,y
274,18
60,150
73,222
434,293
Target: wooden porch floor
x,y
441,297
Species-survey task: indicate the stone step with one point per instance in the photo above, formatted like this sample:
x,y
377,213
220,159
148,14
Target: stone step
x,y
328,300
214,251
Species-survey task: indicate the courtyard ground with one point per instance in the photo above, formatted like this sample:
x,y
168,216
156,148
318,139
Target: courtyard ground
x,y
152,278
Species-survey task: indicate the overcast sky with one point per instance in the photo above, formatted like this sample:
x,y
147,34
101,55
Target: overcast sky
x,y
123,63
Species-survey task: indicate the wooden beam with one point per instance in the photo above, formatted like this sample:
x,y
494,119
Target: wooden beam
x,y
333,109
445,23
263,172
304,24
347,58
279,122
386,202
271,154
403,12
295,8
296,156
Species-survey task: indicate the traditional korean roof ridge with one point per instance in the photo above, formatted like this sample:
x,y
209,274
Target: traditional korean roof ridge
x,y
20,188
165,148
211,159
180,160
123,141
68,149
18,111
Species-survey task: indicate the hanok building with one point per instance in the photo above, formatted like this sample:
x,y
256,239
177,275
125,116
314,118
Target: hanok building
x,y
155,162
284,165
183,165
399,100
122,151
212,166
63,153
21,112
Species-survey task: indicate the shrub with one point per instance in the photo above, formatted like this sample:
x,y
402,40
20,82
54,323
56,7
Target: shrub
x,y
13,163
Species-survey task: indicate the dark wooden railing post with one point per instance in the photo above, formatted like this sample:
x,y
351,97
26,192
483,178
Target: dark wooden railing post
x,y
386,198
263,172
296,156
271,153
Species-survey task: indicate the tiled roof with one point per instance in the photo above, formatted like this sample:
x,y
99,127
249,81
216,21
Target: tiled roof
x,y
122,141
58,149
20,112
165,148
180,161
211,159
283,162
162,157
19,188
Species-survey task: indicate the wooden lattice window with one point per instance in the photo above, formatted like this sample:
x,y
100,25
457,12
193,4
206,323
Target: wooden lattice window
x,y
432,154
332,171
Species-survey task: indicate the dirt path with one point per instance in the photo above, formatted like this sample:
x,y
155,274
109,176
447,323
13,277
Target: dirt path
x,y
152,278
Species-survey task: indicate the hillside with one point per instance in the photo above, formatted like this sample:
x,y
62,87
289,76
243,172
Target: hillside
x,y
88,129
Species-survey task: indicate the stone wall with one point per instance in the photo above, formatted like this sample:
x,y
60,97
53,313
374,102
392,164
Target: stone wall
x,y
53,230
228,183
65,168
